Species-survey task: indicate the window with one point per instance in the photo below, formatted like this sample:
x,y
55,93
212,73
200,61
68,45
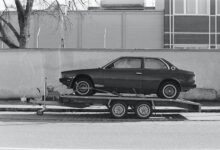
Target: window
x,y
179,6
155,64
128,63
218,6
202,7
190,6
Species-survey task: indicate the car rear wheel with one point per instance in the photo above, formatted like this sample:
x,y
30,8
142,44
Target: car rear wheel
x,y
169,90
83,87
118,109
143,110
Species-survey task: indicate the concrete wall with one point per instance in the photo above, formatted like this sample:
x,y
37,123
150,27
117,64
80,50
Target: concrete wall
x,y
23,71
96,29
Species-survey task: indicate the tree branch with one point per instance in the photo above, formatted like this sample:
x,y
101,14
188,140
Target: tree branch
x,y
6,39
29,6
20,11
8,43
11,27
6,7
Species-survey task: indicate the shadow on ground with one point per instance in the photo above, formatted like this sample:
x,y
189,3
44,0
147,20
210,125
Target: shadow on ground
x,y
85,118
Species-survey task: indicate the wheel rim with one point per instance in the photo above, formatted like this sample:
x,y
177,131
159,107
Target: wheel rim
x,y
82,87
118,110
143,110
169,91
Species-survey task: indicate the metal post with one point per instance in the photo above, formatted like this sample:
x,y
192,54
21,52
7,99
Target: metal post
x,y
45,88
38,34
105,32
41,111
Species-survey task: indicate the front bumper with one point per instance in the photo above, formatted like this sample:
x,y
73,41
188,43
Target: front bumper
x,y
66,81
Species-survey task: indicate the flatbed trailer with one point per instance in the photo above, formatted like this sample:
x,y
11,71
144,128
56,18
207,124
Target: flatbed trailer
x,y
118,106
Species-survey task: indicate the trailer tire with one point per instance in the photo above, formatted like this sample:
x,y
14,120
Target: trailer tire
x,y
143,110
118,109
40,112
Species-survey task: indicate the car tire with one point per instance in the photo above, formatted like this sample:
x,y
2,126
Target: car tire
x,y
84,87
118,110
169,90
143,110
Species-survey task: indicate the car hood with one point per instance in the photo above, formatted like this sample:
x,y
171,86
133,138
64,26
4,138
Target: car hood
x,y
71,73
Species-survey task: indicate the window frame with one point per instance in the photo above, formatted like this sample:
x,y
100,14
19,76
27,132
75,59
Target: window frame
x,y
112,64
196,9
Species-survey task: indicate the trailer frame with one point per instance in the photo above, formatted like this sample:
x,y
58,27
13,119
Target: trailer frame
x,y
119,103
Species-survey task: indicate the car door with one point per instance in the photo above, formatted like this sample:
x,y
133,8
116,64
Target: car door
x,y
155,70
124,74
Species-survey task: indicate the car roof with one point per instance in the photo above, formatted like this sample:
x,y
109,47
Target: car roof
x,y
140,57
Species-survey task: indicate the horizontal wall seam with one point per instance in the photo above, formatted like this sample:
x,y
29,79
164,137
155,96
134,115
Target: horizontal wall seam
x,y
199,33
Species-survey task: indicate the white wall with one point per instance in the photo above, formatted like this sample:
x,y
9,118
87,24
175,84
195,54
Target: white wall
x,y
22,71
97,29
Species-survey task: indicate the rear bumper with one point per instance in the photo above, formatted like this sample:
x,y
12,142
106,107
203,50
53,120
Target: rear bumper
x,y
187,87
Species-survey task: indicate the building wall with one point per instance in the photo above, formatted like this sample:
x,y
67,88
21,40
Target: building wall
x,y
131,29
191,27
23,71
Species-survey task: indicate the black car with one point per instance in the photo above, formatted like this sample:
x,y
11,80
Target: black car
x,y
139,75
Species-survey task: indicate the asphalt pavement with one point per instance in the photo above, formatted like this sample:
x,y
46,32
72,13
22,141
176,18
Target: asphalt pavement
x,y
26,130
94,128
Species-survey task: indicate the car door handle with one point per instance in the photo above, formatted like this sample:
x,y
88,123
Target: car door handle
x,y
138,73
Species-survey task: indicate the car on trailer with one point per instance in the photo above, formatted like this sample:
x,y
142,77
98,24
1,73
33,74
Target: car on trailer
x,y
139,75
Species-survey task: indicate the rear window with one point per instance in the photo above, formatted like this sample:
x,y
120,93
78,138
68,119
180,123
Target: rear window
x,y
154,64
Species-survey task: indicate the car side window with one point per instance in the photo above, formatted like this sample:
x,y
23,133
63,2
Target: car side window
x,y
127,63
154,64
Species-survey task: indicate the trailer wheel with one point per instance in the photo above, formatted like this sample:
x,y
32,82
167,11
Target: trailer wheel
x,y
40,112
118,109
143,110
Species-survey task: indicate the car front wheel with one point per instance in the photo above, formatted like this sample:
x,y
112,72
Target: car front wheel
x,y
83,87
169,90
